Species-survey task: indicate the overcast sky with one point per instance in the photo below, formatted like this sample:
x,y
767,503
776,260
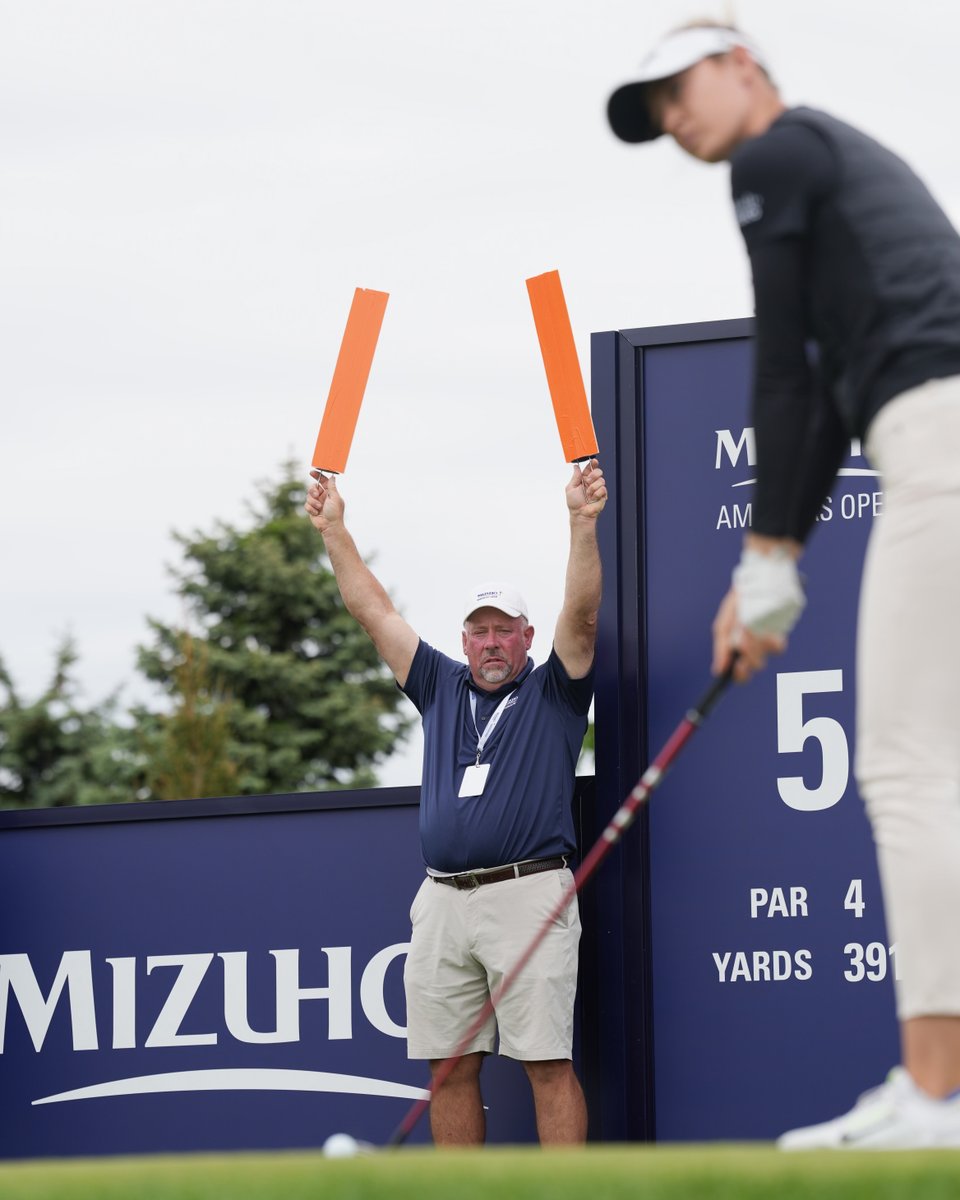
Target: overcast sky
x,y
190,190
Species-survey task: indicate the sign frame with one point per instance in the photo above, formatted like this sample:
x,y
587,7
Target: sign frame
x,y
654,969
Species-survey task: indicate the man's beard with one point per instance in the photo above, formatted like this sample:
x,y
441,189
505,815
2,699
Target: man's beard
x,y
491,674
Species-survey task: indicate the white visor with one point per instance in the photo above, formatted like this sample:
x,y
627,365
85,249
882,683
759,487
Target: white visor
x,y
627,107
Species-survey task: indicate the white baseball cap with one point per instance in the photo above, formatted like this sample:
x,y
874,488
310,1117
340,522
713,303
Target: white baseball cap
x,y
501,596
627,109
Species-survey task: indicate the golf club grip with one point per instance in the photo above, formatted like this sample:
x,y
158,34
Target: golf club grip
x,y
619,823
716,689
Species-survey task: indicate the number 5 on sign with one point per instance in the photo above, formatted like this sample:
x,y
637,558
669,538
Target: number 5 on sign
x,y
792,735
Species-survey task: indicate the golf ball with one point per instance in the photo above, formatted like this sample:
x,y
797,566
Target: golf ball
x,y
340,1145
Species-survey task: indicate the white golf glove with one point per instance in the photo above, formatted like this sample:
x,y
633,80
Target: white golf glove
x,y
769,593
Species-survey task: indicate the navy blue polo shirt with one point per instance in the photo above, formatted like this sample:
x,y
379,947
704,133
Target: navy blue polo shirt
x,y
526,807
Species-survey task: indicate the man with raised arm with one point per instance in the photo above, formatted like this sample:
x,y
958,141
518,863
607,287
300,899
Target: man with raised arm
x,y
501,742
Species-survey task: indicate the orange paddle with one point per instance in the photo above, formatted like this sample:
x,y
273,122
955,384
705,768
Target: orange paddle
x,y
560,361
349,381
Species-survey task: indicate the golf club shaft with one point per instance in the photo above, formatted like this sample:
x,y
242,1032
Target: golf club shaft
x,y
619,823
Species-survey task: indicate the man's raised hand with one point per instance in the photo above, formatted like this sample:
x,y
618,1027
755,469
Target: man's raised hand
x,y
324,505
587,491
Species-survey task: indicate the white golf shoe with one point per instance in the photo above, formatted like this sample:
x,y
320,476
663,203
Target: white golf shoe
x,y
897,1115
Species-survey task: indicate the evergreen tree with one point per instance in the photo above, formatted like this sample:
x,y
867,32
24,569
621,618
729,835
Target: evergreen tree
x,y
54,752
191,754
311,705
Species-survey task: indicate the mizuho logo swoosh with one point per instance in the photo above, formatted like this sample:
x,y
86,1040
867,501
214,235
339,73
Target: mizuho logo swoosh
x,y
732,444
842,471
238,1079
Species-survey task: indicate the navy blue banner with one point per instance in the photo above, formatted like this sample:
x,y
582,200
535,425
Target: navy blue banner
x,y
764,999
214,975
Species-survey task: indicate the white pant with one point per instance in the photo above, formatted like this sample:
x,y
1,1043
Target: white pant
x,y
908,690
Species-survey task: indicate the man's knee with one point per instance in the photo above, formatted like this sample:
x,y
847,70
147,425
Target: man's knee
x,y
549,1072
464,1070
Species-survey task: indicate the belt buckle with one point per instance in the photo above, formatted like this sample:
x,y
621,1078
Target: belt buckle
x,y
467,883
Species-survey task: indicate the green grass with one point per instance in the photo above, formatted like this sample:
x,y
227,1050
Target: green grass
x,y
598,1173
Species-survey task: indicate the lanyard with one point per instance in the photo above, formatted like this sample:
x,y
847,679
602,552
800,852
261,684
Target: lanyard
x,y
483,738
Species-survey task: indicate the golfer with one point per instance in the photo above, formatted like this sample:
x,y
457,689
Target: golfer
x,y
850,253
501,741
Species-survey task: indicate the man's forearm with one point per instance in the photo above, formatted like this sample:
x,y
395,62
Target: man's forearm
x,y
582,590
576,633
363,594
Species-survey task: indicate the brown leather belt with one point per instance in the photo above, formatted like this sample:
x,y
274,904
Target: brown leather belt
x,y
473,879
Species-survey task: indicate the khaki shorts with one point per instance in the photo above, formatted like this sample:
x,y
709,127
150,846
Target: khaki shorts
x,y
464,942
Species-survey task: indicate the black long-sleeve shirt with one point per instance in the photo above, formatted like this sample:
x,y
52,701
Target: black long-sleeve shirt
x,y
856,275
